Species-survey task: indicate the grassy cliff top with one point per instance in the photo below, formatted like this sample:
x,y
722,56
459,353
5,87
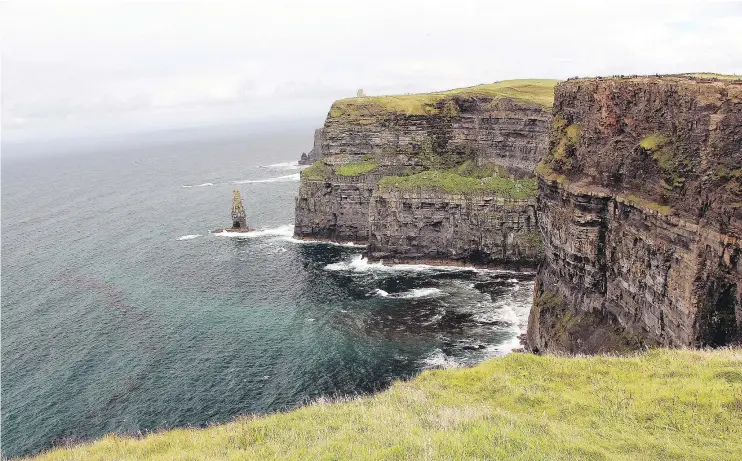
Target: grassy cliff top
x,y
678,405
539,92
690,77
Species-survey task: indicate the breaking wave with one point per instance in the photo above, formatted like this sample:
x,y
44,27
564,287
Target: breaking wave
x,y
438,359
414,293
286,230
361,264
201,185
189,237
283,166
324,242
289,177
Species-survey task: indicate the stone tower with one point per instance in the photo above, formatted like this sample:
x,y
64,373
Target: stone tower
x,y
239,221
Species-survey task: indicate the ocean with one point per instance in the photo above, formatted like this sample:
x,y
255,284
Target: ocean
x,y
122,312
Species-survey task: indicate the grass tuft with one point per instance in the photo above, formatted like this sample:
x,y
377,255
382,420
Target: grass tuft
x,y
356,169
660,405
317,171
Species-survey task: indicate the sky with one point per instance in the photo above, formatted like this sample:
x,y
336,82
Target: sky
x,y
72,68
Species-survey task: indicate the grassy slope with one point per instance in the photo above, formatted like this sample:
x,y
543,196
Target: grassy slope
x,y
456,184
659,405
532,91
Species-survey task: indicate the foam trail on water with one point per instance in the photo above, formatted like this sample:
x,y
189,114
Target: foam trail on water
x,y
283,165
438,359
361,264
280,231
206,184
289,177
323,242
414,293
189,237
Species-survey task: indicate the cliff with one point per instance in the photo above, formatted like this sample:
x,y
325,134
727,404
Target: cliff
x,y
489,131
491,223
641,212
318,149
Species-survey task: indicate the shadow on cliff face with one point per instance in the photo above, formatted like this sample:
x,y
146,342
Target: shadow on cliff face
x,y
718,324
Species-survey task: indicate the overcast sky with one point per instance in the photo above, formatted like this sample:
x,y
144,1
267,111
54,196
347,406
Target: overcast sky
x,y
73,68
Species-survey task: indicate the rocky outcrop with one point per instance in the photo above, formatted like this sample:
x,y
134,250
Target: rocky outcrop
x,y
504,124
509,132
432,226
318,149
641,211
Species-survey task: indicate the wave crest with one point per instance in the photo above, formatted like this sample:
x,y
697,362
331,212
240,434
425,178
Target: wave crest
x,y
289,177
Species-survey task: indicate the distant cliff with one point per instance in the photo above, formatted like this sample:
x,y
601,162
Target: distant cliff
x,y
641,211
475,137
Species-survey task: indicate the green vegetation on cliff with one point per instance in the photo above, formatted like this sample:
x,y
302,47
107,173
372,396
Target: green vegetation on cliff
x,y
356,169
456,184
663,404
317,171
539,92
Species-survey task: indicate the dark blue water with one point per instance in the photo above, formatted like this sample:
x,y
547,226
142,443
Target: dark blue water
x,y
122,313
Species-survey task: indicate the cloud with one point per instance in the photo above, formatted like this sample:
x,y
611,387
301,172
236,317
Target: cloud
x,y
75,66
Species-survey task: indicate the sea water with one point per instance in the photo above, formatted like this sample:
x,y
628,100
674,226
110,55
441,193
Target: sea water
x,y
123,312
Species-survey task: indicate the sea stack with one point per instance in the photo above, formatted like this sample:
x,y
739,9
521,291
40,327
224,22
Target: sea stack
x,y
239,221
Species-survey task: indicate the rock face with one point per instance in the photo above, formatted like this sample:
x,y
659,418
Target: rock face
x,y
505,124
509,132
318,151
471,229
641,211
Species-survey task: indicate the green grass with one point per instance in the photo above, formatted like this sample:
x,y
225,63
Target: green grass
x,y
356,169
673,166
317,171
653,142
544,170
568,138
456,184
661,405
716,76
539,92
471,169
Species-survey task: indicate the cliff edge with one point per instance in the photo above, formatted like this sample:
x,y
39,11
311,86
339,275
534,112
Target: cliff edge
x,y
641,211
437,176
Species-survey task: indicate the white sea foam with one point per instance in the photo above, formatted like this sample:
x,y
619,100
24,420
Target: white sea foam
x,y
206,184
324,242
283,166
414,293
289,177
438,359
360,264
189,237
286,230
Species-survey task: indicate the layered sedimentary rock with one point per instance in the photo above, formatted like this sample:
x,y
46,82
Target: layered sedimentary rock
x,y
429,225
507,131
641,211
318,149
369,138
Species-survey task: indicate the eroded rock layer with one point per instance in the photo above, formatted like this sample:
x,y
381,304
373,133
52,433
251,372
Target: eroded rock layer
x,y
435,226
641,211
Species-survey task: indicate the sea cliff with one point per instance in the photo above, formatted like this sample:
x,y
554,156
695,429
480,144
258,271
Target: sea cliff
x,y
465,158
641,211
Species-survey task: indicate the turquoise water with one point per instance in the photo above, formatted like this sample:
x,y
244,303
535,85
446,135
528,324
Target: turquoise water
x,y
121,312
